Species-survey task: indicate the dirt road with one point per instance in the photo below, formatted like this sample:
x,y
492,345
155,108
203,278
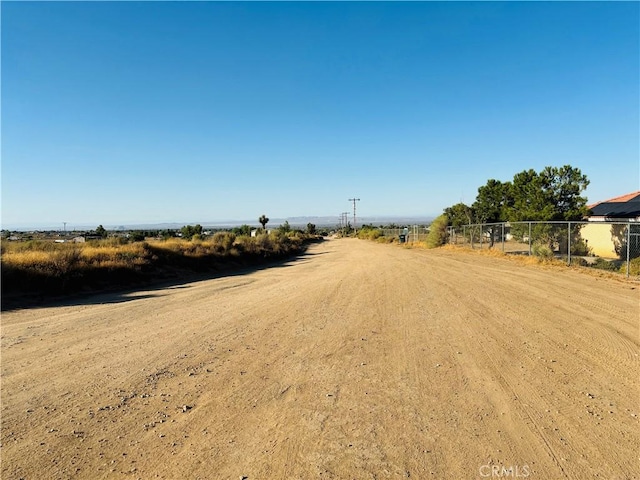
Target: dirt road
x,y
357,361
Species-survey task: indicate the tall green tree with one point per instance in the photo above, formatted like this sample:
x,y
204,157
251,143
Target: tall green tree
x,y
491,204
492,201
459,215
563,189
552,194
528,198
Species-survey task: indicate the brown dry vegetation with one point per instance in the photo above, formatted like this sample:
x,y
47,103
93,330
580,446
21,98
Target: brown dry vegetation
x,y
513,255
43,268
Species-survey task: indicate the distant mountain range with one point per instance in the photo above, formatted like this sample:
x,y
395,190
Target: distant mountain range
x,y
295,222
328,221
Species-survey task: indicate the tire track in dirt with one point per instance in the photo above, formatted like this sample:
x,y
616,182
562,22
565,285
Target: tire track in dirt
x,y
359,360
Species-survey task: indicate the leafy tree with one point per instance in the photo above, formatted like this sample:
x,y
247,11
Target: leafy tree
x,y
311,228
491,201
188,231
101,231
285,227
242,230
137,236
491,204
528,198
459,215
263,221
563,187
552,194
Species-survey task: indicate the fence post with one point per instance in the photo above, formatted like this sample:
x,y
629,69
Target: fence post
x,y
628,248
529,238
502,237
569,243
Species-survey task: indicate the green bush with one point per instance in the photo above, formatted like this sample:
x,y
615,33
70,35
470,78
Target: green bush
x,y
580,247
369,233
603,264
634,267
438,232
542,250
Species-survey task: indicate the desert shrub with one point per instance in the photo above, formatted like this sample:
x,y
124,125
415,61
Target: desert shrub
x,y
542,250
242,230
136,236
437,232
603,264
580,247
634,267
384,239
368,232
285,227
34,246
112,241
223,241
581,262
52,268
263,243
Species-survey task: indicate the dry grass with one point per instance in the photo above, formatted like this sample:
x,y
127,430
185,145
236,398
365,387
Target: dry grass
x,y
542,262
49,267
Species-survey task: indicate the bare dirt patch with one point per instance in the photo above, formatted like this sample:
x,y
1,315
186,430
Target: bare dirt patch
x,y
358,360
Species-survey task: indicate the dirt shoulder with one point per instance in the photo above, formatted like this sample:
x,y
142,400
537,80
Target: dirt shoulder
x,y
358,360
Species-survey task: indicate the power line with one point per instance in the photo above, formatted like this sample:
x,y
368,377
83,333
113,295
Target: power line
x,y
354,200
343,221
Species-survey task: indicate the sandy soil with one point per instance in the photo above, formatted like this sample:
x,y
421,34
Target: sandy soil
x,y
357,361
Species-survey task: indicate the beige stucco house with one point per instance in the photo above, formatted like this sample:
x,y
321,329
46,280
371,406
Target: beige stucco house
x,y
603,236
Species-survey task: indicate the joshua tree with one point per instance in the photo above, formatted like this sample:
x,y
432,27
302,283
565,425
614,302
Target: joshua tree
x,y
263,221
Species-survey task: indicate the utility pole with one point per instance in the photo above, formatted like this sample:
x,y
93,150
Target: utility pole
x,y
354,200
344,221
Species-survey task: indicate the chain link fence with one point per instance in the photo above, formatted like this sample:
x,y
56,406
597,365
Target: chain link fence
x,y
608,245
411,234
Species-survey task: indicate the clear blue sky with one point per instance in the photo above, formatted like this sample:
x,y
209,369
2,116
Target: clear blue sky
x,y
118,112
